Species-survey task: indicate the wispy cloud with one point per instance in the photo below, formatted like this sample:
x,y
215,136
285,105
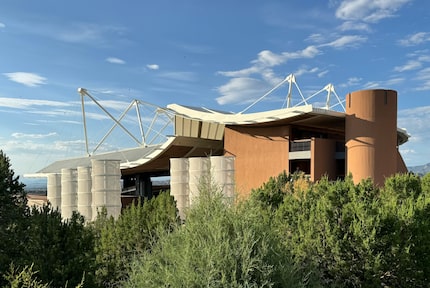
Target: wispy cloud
x,y
352,81
305,70
418,65
19,135
115,60
388,84
351,26
20,103
153,66
88,33
2,25
369,11
322,73
195,48
415,121
267,58
415,39
180,75
241,90
410,65
242,87
346,41
251,82
424,76
28,79
316,38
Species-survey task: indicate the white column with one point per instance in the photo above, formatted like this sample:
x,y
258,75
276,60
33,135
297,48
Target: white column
x,y
53,192
68,192
106,187
84,192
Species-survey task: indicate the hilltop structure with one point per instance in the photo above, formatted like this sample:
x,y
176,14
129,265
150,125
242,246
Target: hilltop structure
x,y
242,150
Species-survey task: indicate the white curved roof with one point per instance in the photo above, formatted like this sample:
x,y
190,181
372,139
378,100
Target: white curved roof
x,y
264,117
249,118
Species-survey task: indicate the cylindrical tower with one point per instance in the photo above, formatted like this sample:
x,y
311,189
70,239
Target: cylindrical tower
x,y
371,134
106,187
68,192
223,174
53,192
84,192
199,175
179,187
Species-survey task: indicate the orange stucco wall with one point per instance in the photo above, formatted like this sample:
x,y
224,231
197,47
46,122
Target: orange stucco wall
x,y
371,134
260,153
323,162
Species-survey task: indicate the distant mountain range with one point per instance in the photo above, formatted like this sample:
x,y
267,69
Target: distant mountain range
x,y
421,169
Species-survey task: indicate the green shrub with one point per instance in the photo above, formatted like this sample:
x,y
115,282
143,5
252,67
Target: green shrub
x,y
356,235
62,251
220,245
135,230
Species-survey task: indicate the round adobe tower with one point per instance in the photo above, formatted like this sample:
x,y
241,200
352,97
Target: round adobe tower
x,y
371,134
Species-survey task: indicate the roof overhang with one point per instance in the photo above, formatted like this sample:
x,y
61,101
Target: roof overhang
x,y
152,159
305,115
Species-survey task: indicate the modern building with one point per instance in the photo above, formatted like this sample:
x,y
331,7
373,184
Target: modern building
x,y
245,149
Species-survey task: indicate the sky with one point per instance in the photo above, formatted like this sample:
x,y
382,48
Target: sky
x,y
221,55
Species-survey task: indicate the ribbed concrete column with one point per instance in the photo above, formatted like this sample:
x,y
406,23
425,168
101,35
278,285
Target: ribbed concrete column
x,y
68,192
222,171
84,192
106,187
199,168
53,193
179,184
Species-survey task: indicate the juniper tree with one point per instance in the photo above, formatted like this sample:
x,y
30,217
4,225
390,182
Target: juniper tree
x,y
13,211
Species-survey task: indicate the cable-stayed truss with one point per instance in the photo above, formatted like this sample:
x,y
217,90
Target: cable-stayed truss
x,y
148,135
291,80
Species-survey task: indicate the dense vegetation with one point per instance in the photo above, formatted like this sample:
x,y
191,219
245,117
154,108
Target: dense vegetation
x,y
289,233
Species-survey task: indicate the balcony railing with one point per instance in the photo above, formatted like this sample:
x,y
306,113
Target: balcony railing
x,y
296,146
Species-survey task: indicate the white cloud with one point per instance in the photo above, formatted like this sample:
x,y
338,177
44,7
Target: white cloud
x,y
115,60
424,76
28,79
87,33
370,11
20,103
2,25
316,38
407,151
394,81
346,41
304,70
267,58
415,39
195,49
322,73
352,81
242,87
32,136
180,75
153,66
241,73
410,65
352,25
241,90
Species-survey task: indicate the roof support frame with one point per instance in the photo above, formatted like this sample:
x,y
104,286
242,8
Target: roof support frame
x,y
117,122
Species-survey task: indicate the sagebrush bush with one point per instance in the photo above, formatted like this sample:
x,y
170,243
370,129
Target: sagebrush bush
x,y
220,245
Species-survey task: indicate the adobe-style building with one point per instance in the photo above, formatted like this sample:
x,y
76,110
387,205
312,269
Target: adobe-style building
x,y
363,141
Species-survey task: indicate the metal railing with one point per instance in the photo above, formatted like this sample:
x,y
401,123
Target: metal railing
x,y
296,146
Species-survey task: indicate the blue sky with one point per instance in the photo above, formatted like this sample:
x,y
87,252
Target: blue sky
x,y
217,54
